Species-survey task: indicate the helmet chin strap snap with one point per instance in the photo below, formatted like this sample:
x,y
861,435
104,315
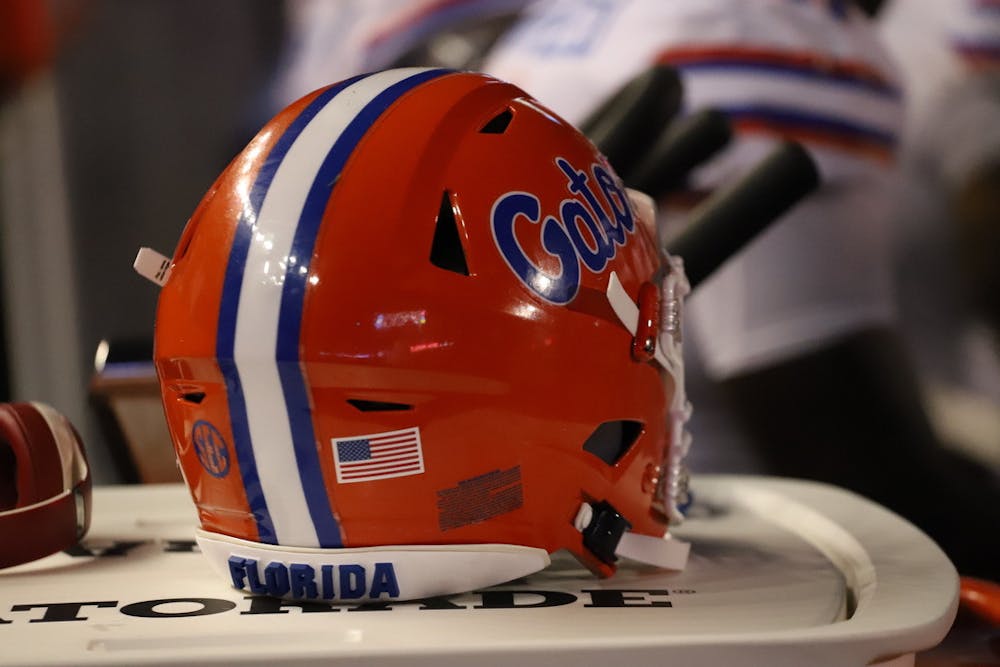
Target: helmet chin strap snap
x,y
602,528
606,534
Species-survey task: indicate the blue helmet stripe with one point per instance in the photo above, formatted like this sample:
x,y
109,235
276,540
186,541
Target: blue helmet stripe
x,y
293,296
229,306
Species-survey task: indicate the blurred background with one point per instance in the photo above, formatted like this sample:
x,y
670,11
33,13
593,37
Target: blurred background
x,y
115,119
117,115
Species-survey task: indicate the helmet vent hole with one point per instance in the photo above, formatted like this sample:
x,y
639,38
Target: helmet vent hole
x,y
8,477
378,406
612,439
195,397
498,124
446,249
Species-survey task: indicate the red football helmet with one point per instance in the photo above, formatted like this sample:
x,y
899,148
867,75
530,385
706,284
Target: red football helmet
x,y
44,483
395,353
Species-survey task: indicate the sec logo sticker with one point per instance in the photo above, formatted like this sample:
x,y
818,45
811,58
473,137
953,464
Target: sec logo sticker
x,y
211,448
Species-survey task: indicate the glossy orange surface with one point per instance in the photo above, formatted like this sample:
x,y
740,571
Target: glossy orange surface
x,y
496,376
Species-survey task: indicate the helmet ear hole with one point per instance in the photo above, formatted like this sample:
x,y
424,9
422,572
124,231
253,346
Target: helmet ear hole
x,y
8,476
612,439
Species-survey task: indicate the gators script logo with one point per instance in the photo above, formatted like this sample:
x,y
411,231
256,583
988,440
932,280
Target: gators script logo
x,y
587,233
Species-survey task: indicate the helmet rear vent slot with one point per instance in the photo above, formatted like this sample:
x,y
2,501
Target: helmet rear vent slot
x,y
612,439
446,249
498,124
195,397
378,406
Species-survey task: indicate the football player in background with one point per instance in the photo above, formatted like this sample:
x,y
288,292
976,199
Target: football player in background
x,y
798,334
799,331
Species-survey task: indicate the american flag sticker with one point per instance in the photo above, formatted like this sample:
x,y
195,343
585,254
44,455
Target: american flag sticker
x,y
364,458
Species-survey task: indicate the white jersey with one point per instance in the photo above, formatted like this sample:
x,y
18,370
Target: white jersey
x,y
331,40
805,69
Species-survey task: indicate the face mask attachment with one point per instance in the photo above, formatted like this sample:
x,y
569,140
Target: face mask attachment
x,y
656,325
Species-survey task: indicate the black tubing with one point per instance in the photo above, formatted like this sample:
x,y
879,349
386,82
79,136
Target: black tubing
x,y
625,125
681,147
725,222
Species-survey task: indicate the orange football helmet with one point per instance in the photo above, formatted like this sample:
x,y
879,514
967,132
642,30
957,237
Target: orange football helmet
x,y
415,338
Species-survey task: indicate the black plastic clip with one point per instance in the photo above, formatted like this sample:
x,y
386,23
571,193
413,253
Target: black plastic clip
x,y
604,531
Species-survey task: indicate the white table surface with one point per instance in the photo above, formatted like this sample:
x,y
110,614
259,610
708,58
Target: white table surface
x,y
781,573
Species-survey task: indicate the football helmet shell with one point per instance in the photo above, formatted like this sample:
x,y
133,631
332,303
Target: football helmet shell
x,y
386,325
45,487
